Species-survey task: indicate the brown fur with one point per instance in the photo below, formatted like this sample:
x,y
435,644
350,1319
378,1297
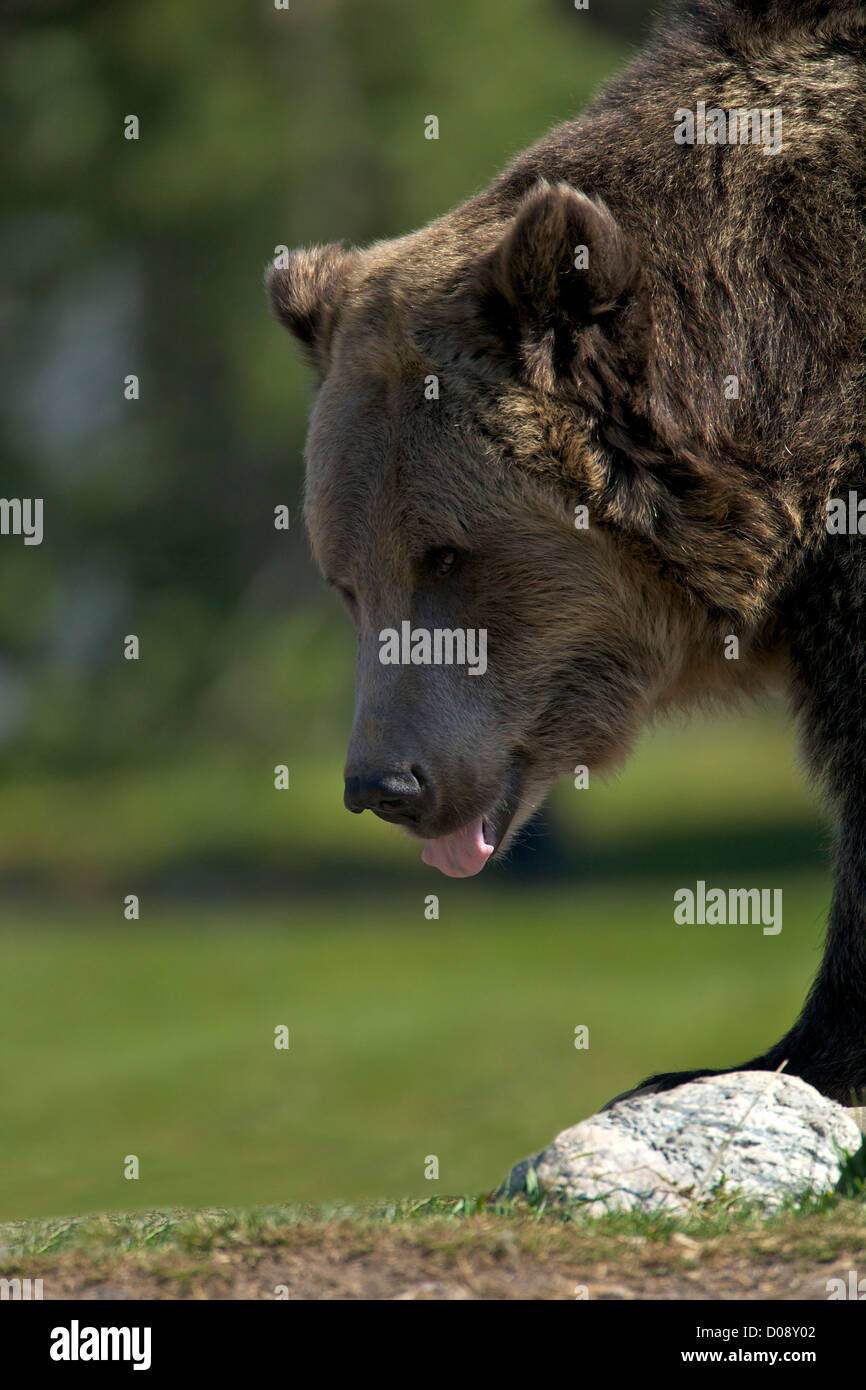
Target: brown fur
x,y
603,387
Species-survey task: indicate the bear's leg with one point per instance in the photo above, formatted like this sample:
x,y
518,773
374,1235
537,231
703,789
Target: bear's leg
x,y
824,626
825,622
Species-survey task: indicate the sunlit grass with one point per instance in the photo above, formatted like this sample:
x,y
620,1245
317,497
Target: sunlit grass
x,y
408,1037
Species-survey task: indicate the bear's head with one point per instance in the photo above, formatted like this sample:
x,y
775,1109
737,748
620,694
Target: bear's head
x,y
533,556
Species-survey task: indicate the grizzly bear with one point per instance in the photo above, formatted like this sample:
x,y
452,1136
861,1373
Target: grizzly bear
x,y
604,413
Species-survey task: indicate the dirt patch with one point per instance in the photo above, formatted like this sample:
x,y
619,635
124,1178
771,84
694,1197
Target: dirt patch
x,y
479,1257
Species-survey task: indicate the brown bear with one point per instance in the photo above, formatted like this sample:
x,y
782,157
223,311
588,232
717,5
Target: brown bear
x,y
574,436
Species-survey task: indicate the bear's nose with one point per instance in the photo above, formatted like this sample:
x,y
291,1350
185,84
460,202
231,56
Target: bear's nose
x,y
393,795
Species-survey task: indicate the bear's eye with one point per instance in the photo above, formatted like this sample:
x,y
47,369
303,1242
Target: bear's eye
x,y
441,560
346,594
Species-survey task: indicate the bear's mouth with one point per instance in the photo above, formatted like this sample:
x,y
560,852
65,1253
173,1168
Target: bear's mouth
x,y
465,851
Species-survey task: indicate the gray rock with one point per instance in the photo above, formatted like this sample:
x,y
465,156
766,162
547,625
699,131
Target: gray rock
x,y
763,1135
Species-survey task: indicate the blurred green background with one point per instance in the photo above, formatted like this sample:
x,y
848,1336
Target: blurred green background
x,y
408,1036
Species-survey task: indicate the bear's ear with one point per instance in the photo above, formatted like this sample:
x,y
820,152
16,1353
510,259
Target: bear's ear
x,y
305,294
563,295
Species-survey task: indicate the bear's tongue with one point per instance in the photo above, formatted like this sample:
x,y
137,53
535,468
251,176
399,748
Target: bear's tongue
x,y
461,854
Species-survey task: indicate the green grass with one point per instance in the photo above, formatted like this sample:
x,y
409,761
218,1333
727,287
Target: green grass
x,y
408,1037
726,770
464,1245
202,1232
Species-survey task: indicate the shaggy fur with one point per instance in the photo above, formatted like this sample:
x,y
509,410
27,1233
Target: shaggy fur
x,y
605,387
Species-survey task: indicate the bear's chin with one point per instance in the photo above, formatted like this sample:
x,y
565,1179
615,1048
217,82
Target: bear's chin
x,y
465,851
